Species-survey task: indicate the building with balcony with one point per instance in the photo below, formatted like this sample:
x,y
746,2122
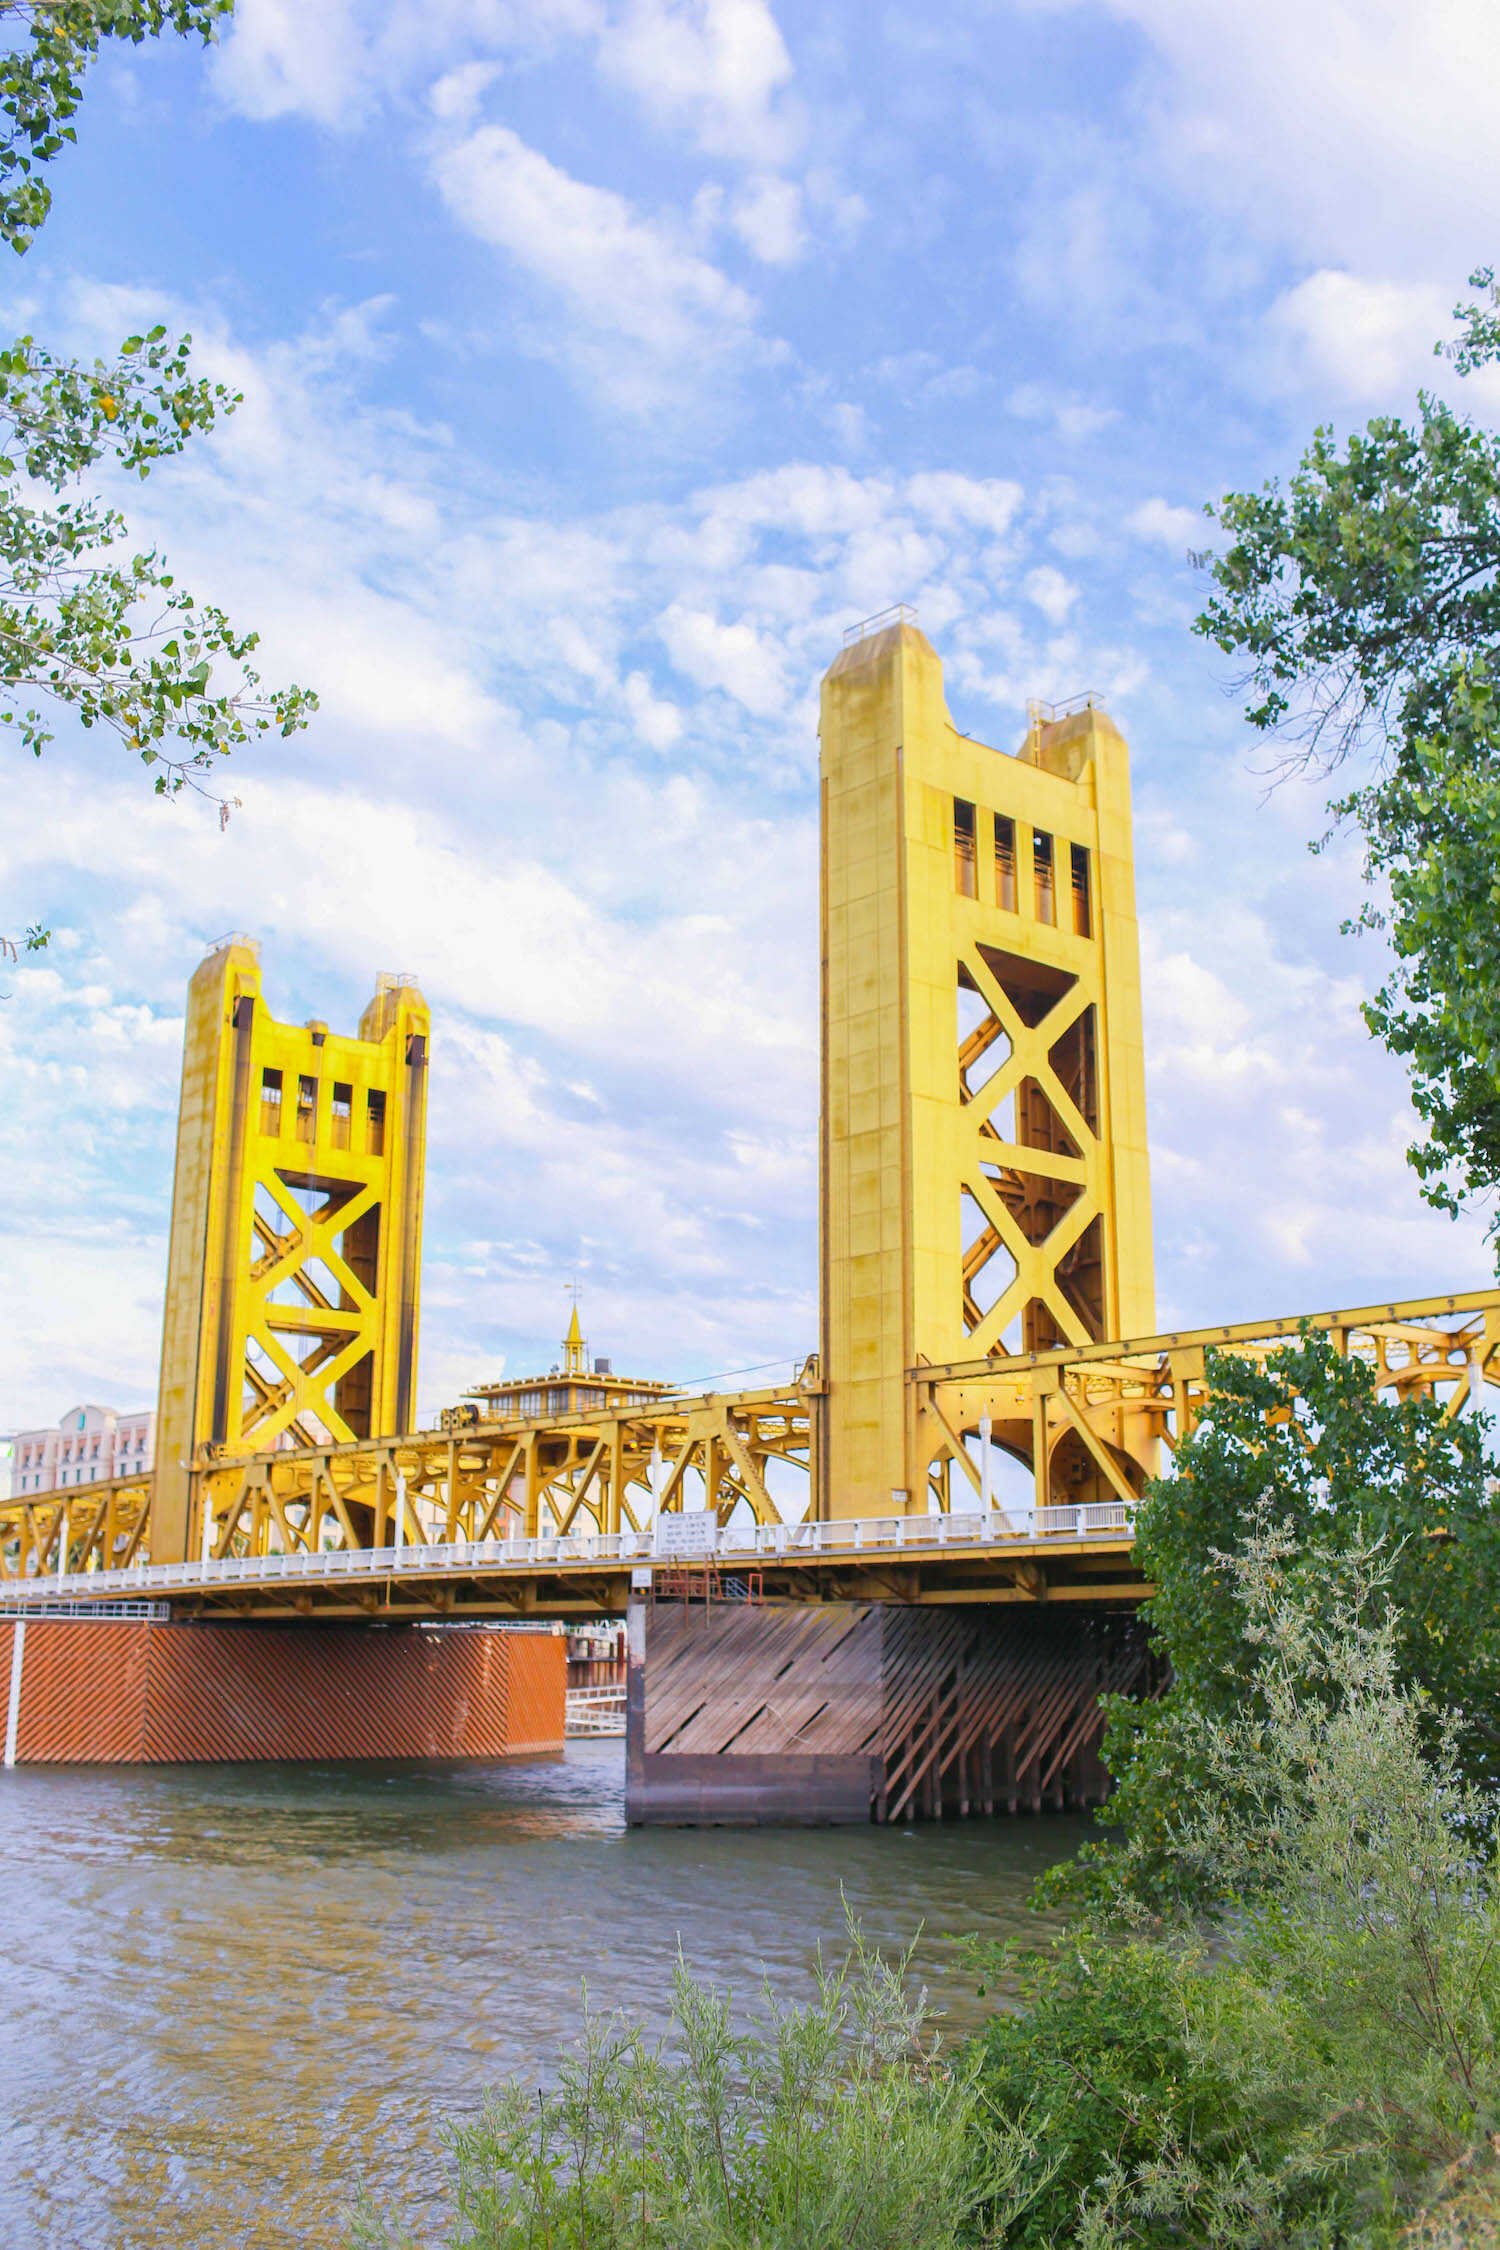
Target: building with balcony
x,y
89,1445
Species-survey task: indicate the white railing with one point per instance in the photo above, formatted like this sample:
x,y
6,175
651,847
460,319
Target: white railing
x,y
596,1710
738,1546
152,1612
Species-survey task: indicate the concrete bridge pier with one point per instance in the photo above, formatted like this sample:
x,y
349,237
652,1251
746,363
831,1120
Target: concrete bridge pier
x,y
750,1714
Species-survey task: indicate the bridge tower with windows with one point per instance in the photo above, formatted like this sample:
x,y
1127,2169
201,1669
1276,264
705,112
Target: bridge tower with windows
x,y
985,1190
294,1256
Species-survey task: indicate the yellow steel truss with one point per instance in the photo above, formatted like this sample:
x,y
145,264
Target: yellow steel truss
x,y
97,1527
1081,1416
1094,1422
601,1472
292,1289
984,1170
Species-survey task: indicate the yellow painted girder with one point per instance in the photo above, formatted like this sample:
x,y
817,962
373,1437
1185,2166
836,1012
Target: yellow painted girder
x,y
1110,1404
1114,1405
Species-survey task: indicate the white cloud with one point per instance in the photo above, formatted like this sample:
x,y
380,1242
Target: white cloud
x,y
1073,419
1338,135
767,215
514,940
1273,1116
733,658
1340,129
1162,523
1365,341
924,378
849,426
1084,244
283,58
716,69
985,504
622,278
455,98
658,723
337,61
714,72
1053,594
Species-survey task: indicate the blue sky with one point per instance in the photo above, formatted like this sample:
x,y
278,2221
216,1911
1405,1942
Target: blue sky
x,y
603,360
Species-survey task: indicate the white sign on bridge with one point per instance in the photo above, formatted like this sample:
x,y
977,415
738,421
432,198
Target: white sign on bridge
x,y
687,1534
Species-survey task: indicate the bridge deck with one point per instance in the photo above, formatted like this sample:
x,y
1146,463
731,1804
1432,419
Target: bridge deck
x,y
1057,1554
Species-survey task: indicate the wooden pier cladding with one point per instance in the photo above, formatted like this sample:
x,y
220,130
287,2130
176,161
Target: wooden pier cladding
x,y
86,1691
846,1712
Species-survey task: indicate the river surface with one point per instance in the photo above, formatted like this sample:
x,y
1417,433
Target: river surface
x,y
235,1995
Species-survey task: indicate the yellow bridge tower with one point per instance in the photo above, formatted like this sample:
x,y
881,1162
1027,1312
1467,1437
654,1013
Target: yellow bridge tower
x,y
296,1238
984,1183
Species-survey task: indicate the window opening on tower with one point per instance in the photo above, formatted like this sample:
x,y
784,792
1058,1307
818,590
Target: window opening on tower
x,y
1041,863
1083,916
270,1103
963,847
1005,862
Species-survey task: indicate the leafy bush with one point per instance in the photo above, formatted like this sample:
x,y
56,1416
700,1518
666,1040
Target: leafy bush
x,y
1307,1443
829,2123
1295,2079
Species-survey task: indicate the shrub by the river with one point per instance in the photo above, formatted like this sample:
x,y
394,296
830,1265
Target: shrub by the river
x,y
1294,2068
832,2121
1306,1442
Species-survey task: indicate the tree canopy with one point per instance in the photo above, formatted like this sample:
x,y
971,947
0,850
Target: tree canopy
x,y
41,85
1365,595
1302,1449
89,621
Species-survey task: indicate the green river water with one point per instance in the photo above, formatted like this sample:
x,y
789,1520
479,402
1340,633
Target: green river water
x,y
238,1993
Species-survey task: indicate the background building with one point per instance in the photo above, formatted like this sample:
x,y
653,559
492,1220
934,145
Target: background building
x,y
89,1445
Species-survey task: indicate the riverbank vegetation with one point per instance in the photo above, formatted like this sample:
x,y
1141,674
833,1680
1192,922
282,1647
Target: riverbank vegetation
x,y
832,2121
1272,2017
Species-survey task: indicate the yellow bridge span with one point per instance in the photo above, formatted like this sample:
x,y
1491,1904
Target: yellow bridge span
x,y
552,1515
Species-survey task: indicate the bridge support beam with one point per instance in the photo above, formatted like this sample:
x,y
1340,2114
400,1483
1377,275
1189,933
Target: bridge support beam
x,y
746,1715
